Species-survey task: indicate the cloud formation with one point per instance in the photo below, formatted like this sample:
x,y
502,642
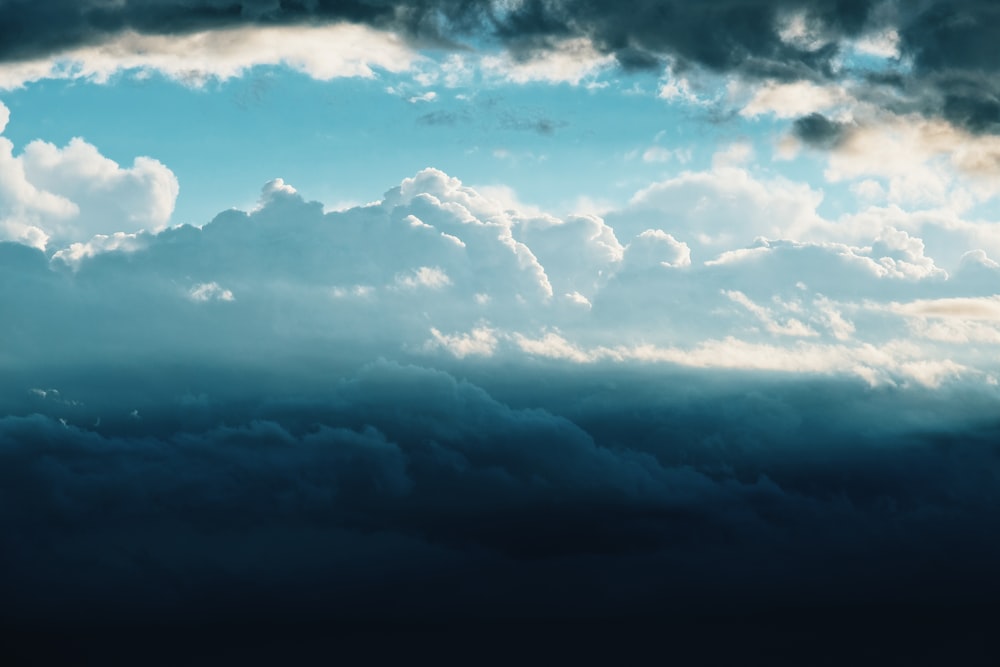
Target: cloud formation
x,y
841,72
755,31
194,58
393,491
72,193
721,397
721,268
438,406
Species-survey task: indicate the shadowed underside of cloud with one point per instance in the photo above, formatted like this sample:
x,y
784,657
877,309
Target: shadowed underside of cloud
x,y
399,490
742,28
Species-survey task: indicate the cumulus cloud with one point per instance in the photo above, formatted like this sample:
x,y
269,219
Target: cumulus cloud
x,y
101,243
792,100
692,271
107,196
74,193
654,247
722,208
787,327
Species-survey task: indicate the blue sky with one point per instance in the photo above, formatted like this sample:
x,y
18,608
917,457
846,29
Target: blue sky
x,y
340,140
595,311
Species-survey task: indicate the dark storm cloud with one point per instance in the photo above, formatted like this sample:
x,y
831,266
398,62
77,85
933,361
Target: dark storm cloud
x,y
720,35
819,131
396,490
950,44
954,36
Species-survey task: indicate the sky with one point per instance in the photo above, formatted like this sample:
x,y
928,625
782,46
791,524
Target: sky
x,y
577,313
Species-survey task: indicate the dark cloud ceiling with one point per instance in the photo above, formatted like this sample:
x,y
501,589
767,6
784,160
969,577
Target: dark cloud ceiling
x,y
948,47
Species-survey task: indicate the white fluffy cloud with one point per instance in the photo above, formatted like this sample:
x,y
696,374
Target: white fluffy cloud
x,y
73,193
681,276
654,247
722,208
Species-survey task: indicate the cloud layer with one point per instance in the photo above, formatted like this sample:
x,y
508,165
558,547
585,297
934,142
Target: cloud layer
x,y
933,58
713,400
395,490
717,268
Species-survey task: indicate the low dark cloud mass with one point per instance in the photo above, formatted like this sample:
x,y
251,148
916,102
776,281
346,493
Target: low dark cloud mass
x,y
721,35
391,493
818,130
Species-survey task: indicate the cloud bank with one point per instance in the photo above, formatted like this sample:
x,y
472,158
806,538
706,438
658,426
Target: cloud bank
x,y
710,269
396,490
930,58
714,400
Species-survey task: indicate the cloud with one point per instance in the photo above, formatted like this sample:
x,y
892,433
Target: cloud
x,y
653,248
570,61
641,30
797,57
924,162
107,196
815,60
684,276
447,405
481,341
578,252
100,243
322,52
72,193
723,207
790,100
210,292
395,488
